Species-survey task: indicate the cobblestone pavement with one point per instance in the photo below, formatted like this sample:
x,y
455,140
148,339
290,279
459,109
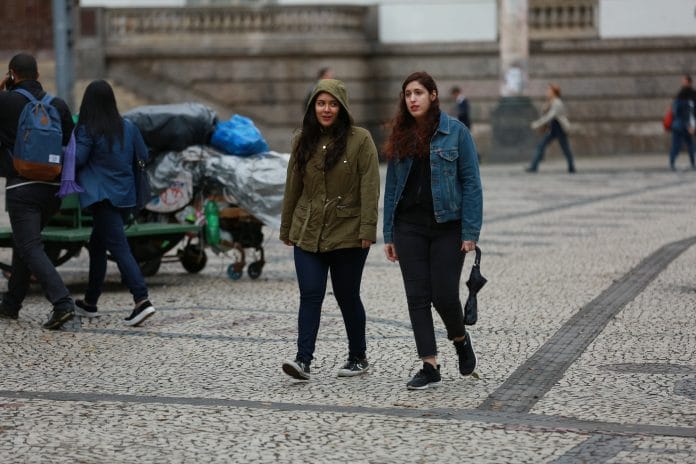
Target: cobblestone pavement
x,y
586,340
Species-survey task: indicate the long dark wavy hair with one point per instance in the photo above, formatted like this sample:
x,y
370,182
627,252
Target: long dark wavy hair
x,y
99,114
407,138
312,131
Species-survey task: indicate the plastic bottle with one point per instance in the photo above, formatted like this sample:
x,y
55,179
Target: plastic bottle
x,y
212,223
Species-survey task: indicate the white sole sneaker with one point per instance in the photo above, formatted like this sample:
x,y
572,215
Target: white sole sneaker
x,y
295,371
138,316
426,386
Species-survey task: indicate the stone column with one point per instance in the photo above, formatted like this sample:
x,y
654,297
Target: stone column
x,y
513,140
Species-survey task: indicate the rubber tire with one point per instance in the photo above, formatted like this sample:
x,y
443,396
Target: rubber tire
x,y
193,258
150,267
254,269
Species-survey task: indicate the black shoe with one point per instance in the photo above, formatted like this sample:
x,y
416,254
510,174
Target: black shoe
x,y
297,369
7,313
139,314
85,310
530,169
353,367
59,316
467,357
425,378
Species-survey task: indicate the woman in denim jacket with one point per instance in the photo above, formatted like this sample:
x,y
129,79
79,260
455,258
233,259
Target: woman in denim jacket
x,y
432,217
105,154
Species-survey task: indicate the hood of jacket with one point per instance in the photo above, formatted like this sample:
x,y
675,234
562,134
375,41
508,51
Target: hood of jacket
x,y
336,88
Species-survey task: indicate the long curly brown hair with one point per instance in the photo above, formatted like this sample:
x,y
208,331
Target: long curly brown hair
x,y
408,139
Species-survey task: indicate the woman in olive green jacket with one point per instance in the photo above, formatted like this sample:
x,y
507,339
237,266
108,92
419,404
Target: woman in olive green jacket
x,y
330,218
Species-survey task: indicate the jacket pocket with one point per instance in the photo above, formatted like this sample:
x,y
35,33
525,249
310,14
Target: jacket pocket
x,y
448,155
347,211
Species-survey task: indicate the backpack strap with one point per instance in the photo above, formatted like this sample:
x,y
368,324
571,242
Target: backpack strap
x,y
47,99
27,94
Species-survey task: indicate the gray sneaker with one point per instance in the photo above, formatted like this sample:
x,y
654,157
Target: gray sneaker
x,y
297,369
353,367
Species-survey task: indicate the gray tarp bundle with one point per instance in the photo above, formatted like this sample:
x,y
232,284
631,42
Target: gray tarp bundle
x,y
256,182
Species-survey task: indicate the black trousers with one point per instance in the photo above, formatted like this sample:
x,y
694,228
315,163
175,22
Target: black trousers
x,y
30,207
431,264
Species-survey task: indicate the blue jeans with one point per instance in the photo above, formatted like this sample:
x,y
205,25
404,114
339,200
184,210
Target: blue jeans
x,y
431,264
30,207
108,235
555,132
346,266
679,138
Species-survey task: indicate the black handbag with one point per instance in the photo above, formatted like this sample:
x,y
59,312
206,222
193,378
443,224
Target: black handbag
x,y
475,283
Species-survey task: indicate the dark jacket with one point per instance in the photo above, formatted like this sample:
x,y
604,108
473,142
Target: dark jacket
x,y
324,211
11,106
106,173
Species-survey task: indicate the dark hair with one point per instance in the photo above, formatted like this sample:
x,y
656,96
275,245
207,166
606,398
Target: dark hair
x,y
311,132
99,114
688,79
24,66
322,71
407,139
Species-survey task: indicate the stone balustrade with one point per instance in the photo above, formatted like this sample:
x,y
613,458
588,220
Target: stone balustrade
x,y
563,19
129,23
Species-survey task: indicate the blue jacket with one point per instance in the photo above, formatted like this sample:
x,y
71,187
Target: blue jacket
x,y
108,174
456,183
682,114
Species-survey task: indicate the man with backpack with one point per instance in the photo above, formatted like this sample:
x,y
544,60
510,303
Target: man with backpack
x,y
33,128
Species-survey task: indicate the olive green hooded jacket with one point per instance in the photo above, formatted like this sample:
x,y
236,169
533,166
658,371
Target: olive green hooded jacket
x,y
324,211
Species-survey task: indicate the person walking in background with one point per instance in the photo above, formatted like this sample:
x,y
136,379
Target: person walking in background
x,y
683,123
432,216
323,73
462,106
556,125
30,203
105,158
329,217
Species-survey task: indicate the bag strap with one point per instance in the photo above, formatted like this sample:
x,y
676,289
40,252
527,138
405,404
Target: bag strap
x,y
27,94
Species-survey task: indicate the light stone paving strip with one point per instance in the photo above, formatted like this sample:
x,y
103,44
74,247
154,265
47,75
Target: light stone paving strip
x,y
533,379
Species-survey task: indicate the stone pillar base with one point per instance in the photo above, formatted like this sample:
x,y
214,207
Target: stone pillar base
x,y
512,138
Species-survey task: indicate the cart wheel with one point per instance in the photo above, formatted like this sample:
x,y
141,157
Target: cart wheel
x,y
193,258
150,267
254,269
233,273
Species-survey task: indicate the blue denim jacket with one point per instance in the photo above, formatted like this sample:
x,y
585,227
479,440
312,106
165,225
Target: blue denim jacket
x,y
456,183
107,173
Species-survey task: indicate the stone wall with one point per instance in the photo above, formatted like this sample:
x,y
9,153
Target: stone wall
x,y
261,62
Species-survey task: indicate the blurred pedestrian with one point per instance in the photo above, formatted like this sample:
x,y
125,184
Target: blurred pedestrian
x,y
555,123
106,159
683,122
30,203
330,218
432,217
323,73
461,106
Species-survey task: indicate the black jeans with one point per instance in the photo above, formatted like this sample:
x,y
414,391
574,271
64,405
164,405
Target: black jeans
x,y
431,264
346,266
30,207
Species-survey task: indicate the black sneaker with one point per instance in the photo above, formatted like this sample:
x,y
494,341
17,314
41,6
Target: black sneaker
x,y
7,313
85,310
140,313
467,357
59,316
353,367
296,369
425,378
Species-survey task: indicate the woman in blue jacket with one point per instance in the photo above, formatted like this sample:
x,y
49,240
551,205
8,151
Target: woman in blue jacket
x,y
432,217
106,148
